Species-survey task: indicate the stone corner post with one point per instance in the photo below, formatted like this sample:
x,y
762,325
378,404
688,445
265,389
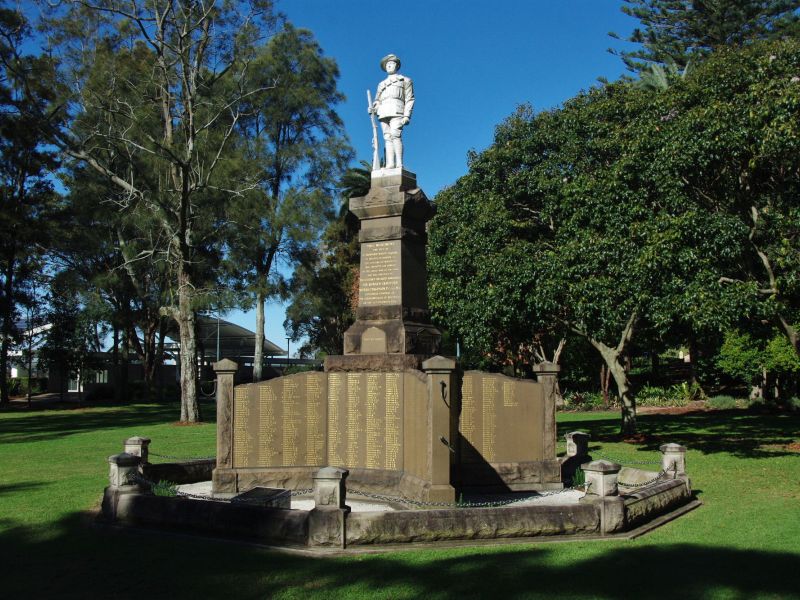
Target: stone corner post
x,y
577,444
673,459
225,370
327,521
547,376
603,492
673,462
138,446
443,429
601,477
577,454
122,470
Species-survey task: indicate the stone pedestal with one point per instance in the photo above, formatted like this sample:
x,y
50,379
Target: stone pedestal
x,y
392,315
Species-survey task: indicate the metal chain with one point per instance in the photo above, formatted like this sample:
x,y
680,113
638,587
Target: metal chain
x,y
644,483
628,462
151,453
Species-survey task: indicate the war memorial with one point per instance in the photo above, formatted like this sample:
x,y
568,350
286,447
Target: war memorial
x,y
428,451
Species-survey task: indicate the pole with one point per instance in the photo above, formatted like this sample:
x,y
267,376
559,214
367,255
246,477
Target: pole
x,y
288,340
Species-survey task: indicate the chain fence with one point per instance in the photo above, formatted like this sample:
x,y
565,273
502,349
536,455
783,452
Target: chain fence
x,y
137,478
627,462
170,457
487,504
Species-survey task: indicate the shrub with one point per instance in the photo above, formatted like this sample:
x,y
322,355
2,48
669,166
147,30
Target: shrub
x,y
722,402
584,400
165,488
579,477
18,386
651,395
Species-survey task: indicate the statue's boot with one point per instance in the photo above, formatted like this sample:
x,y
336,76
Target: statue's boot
x,y
389,155
397,144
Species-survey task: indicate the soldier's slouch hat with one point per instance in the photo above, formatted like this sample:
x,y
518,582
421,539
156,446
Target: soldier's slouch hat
x,y
387,58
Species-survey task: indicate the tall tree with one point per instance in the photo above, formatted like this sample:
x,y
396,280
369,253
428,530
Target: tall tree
x,y
734,146
324,286
567,219
26,193
156,122
295,138
675,32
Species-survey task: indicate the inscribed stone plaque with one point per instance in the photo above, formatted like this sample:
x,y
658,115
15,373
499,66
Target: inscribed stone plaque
x,y
501,418
380,274
280,422
373,341
365,420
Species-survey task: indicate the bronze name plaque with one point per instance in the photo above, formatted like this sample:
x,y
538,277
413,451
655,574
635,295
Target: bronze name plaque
x,y
502,418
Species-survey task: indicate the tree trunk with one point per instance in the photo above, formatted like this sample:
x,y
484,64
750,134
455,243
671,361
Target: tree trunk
x,y
162,332
614,358
258,354
115,370
149,356
8,289
605,384
190,410
792,333
4,347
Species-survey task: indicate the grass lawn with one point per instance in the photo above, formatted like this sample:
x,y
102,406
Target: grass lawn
x,y
743,543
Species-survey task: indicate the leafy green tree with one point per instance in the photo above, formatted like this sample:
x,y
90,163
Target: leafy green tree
x,y
27,198
166,82
109,251
73,340
674,33
566,220
732,140
324,285
763,359
294,138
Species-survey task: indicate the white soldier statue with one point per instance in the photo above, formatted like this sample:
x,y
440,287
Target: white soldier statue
x,y
393,104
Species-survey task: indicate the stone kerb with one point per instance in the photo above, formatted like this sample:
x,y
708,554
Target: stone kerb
x,y
601,477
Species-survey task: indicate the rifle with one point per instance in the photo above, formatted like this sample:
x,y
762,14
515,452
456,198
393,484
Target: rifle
x,y
376,163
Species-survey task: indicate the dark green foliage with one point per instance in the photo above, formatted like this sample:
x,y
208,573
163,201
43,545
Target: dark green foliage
x,y
325,282
295,150
164,488
624,212
722,402
675,33
27,199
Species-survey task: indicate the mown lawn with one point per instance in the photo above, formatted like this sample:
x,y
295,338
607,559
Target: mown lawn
x,y
743,543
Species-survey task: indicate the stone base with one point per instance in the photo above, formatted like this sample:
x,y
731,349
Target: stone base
x,y
375,481
537,475
374,362
391,336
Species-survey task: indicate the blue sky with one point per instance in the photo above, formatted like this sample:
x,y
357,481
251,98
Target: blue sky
x,y
472,62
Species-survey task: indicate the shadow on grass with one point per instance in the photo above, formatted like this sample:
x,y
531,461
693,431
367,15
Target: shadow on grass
x,y
19,487
78,561
740,433
44,425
